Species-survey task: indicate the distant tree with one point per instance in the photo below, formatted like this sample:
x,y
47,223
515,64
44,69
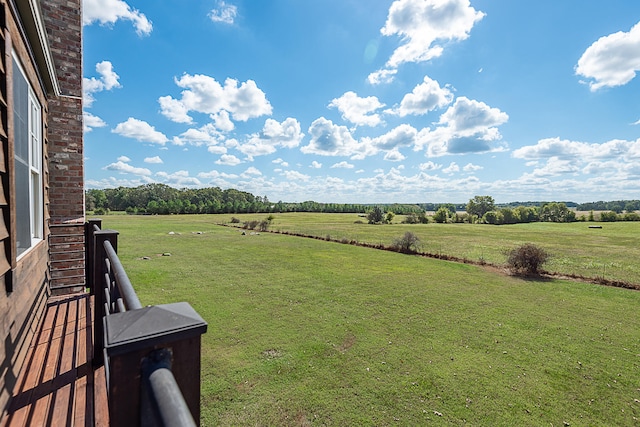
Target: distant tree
x,y
556,212
508,216
411,218
375,215
480,205
449,206
389,217
610,216
526,214
442,215
493,217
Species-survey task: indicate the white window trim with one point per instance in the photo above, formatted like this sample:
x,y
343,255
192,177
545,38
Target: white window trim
x,y
35,184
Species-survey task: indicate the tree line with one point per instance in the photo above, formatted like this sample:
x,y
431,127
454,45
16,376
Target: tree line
x,y
161,199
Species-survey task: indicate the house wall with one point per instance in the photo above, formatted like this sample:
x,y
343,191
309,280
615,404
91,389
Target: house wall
x,y
63,21
24,282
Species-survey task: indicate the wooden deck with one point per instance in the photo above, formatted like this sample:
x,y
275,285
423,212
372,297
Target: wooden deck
x,y
58,385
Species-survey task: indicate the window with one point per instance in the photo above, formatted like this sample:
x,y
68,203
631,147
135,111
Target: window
x,y
27,136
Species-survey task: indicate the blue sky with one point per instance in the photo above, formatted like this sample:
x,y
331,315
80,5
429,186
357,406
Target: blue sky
x,y
366,101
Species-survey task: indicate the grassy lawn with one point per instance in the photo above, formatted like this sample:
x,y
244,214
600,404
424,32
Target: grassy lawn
x,y
308,332
611,252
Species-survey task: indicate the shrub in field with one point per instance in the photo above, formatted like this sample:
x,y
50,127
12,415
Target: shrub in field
x,y
250,225
610,216
527,259
235,220
264,225
408,244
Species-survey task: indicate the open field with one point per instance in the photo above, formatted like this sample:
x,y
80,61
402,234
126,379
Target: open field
x,y
611,252
308,332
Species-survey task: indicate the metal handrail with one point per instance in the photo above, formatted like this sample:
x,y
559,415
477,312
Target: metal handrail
x,y
166,399
129,296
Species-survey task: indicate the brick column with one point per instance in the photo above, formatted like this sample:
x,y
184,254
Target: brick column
x,y
63,21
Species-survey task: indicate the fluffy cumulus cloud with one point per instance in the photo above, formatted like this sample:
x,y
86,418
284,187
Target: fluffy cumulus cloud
x,y
204,94
108,80
224,13
423,27
228,160
206,135
468,126
357,110
274,135
616,159
179,179
342,165
329,139
153,160
425,97
108,12
124,167
401,136
611,60
140,131
89,121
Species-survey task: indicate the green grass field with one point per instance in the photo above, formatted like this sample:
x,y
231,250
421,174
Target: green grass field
x,y
611,252
308,332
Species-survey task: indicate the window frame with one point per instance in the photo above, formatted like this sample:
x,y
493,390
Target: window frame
x,y
33,133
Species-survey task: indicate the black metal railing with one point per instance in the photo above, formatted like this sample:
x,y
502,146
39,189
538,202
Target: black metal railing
x,y
151,354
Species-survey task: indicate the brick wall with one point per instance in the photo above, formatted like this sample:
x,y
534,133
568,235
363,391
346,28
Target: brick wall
x,y
63,20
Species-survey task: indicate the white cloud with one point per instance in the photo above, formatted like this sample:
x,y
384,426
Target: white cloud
x,y
636,123
451,169
470,167
153,160
179,179
123,167
140,131
224,13
273,135
342,165
400,136
124,159
222,121
423,26
468,126
204,94
108,80
251,171
611,60
108,12
206,135
580,151
281,162
315,165
174,110
228,160
394,156
425,97
328,139
429,166
89,121
216,174
295,176
358,110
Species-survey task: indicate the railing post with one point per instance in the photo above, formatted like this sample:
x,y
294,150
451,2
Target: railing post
x,y
98,280
134,336
89,251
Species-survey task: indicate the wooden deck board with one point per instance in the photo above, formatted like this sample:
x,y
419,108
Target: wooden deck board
x,y
58,385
